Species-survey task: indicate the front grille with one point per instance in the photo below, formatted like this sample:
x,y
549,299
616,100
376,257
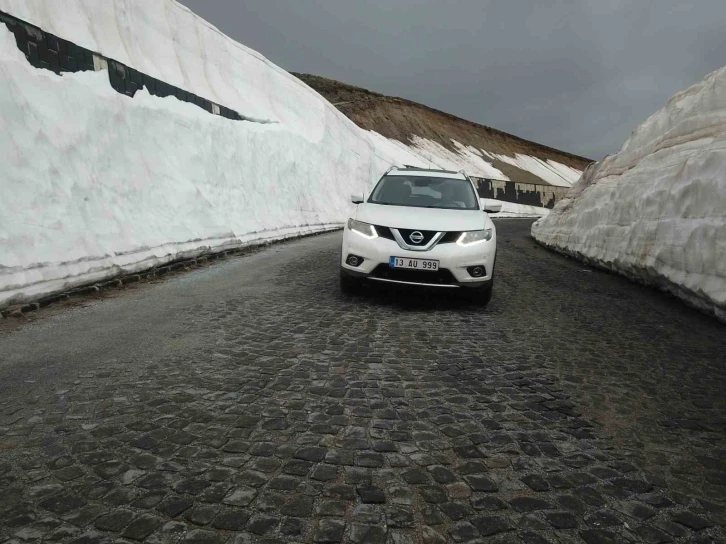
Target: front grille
x,y
384,232
440,277
427,236
450,237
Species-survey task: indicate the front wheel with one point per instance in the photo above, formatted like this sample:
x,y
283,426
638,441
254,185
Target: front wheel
x,y
482,295
350,286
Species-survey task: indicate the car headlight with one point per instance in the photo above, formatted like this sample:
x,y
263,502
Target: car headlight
x,y
364,229
475,237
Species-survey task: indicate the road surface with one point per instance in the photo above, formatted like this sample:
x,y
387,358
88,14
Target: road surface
x,y
249,401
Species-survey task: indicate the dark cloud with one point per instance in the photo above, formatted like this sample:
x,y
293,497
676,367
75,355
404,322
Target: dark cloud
x,y
578,75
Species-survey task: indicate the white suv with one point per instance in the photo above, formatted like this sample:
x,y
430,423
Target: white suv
x,y
421,227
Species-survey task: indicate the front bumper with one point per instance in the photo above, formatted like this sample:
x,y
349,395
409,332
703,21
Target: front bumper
x,y
453,261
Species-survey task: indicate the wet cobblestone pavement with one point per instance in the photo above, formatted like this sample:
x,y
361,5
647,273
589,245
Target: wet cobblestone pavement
x,y
252,402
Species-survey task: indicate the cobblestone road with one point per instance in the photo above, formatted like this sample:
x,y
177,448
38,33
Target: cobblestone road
x,y
251,402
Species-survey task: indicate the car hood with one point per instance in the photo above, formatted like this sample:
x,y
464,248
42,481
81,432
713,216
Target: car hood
x,y
404,217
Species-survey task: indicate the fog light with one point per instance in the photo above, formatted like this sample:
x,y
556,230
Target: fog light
x,y
477,271
354,260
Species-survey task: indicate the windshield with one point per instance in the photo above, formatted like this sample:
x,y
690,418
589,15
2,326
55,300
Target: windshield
x,y
425,192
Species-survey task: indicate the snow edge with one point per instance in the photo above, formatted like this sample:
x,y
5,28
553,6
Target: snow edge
x,y
647,278
50,292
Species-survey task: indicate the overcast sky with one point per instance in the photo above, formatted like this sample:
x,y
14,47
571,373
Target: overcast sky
x,y
577,75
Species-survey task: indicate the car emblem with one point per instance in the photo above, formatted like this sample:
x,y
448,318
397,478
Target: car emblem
x,y
416,237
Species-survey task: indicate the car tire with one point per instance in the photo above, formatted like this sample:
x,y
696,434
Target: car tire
x,y
350,286
484,294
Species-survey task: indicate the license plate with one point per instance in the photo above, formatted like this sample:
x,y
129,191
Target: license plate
x,y
413,264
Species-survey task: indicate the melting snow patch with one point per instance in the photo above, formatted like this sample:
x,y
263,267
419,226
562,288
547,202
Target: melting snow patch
x,y
552,172
467,158
400,152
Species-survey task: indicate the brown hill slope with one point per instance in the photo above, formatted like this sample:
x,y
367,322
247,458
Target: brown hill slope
x,y
399,119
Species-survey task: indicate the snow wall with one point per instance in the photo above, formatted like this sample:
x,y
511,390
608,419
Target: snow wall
x,y
95,184
656,210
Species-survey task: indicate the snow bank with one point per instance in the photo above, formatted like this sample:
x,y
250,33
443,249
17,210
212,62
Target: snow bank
x,y
656,210
166,40
95,183
511,210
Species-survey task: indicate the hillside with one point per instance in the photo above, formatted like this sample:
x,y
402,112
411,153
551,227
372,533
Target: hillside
x,y
419,126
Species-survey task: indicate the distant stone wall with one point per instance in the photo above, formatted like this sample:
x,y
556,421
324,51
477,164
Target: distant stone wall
x,y
544,196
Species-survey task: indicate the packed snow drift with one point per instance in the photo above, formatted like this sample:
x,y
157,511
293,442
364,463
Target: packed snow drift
x,y
656,210
95,183
510,210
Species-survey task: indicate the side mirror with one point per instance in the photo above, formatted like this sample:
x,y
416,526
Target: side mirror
x,y
356,199
491,206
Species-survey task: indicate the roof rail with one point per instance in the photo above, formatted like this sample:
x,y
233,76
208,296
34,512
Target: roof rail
x,y
393,167
463,173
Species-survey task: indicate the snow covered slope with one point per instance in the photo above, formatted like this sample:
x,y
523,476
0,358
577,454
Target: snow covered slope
x,y
553,172
166,40
656,210
446,141
476,162
94,183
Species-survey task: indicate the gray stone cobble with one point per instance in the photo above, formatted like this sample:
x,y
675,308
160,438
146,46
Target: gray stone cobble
x,y
576,408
